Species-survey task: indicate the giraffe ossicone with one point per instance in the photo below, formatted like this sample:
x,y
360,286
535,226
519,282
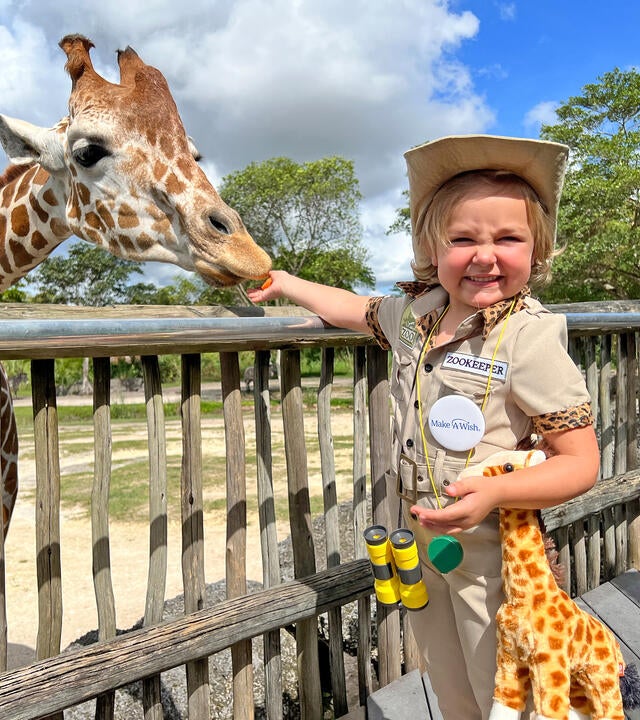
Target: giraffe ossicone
x,y
119,171
569,661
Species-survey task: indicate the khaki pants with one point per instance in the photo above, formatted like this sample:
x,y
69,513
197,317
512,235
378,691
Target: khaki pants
x,y
456,632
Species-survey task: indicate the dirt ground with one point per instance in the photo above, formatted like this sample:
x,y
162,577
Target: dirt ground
x,y
129,561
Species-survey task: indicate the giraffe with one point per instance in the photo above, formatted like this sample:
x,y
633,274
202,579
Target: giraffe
x,y
570,660
121,172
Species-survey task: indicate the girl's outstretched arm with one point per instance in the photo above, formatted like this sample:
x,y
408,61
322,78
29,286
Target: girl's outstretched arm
x,y
336,306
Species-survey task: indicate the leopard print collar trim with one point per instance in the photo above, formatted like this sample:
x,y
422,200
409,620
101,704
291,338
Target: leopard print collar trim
x,y
495,313
491,316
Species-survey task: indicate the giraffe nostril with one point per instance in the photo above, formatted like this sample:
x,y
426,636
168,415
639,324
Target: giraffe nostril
x,y
218,225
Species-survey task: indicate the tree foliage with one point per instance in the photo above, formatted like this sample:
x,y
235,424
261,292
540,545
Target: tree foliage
x,y
306,216
599,223
87,276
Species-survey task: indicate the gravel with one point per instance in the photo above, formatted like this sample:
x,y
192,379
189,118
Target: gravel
x,y
128,702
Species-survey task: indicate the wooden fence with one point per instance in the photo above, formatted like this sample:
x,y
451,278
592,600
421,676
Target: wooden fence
x,y
598,534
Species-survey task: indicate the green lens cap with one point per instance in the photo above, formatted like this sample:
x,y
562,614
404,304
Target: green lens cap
x,y
445,552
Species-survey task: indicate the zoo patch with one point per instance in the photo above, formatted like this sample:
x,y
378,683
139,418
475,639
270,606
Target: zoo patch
x,y
408,332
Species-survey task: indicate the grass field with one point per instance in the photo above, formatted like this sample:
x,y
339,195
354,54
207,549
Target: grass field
x,y
130,471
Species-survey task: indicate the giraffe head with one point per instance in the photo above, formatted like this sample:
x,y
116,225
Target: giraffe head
x,y
124,174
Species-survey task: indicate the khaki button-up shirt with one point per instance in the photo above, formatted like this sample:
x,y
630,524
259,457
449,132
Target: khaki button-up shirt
x,y
535,387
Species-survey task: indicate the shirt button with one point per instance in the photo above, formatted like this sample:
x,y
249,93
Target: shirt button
x,y
409,443
446,482
416,404
428,367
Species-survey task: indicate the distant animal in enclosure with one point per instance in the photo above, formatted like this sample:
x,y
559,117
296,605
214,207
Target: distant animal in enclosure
x,y
249,375
121,172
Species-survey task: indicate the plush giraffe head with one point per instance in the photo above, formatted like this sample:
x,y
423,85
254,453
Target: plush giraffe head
x,y
120,172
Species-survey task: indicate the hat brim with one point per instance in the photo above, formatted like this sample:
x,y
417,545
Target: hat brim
x,y
540,163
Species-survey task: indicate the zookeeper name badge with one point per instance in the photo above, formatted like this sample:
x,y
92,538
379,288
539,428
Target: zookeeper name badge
x,y
476,365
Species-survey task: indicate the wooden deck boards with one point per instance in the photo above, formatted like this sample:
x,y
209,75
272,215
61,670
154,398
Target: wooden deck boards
x,y
616,603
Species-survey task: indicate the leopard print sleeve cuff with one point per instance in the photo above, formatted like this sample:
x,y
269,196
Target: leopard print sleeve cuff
x,y
569,419
371,318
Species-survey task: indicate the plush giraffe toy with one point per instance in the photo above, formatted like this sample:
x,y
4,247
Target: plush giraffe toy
x,y
570,660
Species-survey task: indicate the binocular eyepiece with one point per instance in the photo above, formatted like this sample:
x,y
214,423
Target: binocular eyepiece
x,y
396,567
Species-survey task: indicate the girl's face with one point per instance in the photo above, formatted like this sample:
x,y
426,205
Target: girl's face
x,y
490,251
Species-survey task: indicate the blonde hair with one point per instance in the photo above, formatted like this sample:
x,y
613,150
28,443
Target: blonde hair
x,y
433,233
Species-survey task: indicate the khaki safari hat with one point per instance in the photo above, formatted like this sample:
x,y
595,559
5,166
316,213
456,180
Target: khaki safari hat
x,y
541,163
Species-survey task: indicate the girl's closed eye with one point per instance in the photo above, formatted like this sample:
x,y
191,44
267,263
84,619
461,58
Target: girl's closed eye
x,y
461,241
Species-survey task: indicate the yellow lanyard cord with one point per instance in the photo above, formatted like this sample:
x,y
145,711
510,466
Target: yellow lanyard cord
x,y
484,400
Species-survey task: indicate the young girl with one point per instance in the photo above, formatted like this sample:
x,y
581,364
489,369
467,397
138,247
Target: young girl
x,y
478,366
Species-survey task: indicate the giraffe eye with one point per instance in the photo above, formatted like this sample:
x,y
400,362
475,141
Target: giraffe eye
x,y
219,225
508,467
88,155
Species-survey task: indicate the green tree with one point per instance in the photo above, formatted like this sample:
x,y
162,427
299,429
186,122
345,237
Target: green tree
x,y
17,293
305,215
88,276
599,223
191,290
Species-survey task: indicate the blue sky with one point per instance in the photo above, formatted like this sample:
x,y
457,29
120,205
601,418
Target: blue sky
x,y
532,55
255,79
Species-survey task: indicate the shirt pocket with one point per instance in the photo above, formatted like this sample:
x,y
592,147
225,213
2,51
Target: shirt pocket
x,y
402,375
469,385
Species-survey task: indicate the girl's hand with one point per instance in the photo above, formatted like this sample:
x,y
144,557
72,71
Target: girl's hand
x,y
476,499
271,289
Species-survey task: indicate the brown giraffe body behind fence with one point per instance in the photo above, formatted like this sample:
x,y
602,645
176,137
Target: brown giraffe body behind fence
x,y
569,660
120,172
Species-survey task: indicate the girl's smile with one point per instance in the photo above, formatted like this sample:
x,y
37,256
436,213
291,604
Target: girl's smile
x,y
490,251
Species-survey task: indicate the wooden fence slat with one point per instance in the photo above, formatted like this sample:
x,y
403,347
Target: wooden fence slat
x,y
236,548
622,419
385,504
332,527
45,421
301,531
360,439
103,587
158,532
268,531
49,570
607,432
193,528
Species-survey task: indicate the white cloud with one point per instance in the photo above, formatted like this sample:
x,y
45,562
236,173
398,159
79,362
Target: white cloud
x,y
543,113
256,79
507,11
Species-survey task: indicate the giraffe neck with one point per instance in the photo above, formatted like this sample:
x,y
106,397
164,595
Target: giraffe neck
x,y
32,220
525,568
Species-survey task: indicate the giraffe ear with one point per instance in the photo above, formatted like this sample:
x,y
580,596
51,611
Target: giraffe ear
x,y
26,143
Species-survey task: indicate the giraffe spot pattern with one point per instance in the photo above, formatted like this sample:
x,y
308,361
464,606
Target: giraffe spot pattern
x,y
20,221
50,198
174,185
84,194
94,221
104,212
38,240
42,214
127,217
